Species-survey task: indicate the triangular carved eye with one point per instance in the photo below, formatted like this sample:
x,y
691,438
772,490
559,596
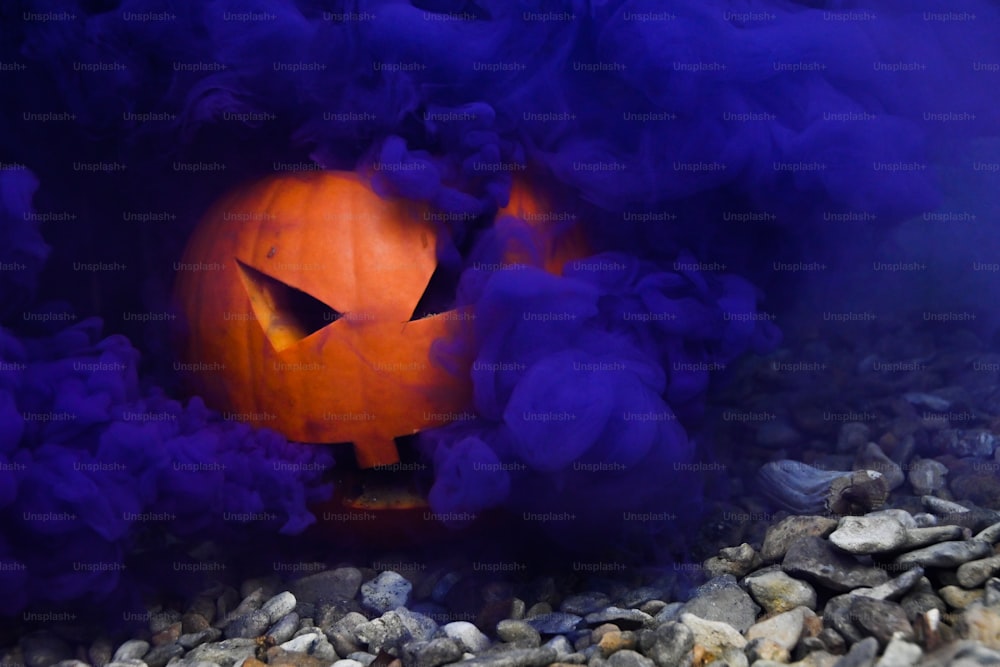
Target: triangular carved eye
x,y
287,315
439,295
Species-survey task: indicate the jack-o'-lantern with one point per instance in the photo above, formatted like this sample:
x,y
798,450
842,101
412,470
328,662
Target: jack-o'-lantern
x,y
299,295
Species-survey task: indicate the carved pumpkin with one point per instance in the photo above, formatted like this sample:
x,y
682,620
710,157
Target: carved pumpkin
x,y
302,290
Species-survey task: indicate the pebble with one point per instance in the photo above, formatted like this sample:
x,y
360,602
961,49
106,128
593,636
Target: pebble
x,y
192,622
862,654
722,599
667,644
582,604
393,628
561,645
249,604
781,535
71,663
894,588
432,653
193,639
959,598
283,630
134,648
246,626
989,534
637,597
871,457
519,633
278,606
385,592
720,640
518,657
626,619
159,656
629,658
100,651
881,619
962,654
338,584
921,537
555,623
469,637
277,657
225,653
737,561
616,640
816,559
981,624
777,592
900,653
363,657
784,629
926,476
767,650
977,572
342,634
946,554
347,662
964,442
131,662
873,534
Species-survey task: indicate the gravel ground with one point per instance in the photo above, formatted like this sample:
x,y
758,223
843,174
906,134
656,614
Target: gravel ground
x,y
863,530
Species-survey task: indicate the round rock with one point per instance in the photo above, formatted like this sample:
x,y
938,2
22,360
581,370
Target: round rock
x,y
385,592
869,534
777,592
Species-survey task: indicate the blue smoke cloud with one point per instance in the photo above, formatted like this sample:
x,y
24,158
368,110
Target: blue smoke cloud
x,y
645,121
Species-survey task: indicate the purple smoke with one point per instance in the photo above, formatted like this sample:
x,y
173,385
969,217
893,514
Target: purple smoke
x,y
644,122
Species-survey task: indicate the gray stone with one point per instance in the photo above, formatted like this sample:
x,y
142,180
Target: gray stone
x,y
862,654
469,637
626,619
342,634
881,619
965,442
668,644
900,653
248,605
737,561
555,623
989,534
363,657
519,633
946,554
278,606
385,592
130,662
249,625
133,648
926,476
347,662
560,644
977,572
628,658
225,653
816,559
582,604
894,588
433,653
100,651
837,617
159,656
962,654
637,597
921,537
518,657
784,629
672,612
873,534
313,643
720,639
69,663
283,630
721,599
781,535
42,649
339,584
193,639
394,628
776,592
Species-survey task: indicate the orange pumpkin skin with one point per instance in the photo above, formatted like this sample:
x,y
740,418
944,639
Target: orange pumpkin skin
x,y
364,378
